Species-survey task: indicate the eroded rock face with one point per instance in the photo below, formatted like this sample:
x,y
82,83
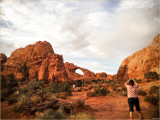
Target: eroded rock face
x,y
71,68
101,75
41,60
141,62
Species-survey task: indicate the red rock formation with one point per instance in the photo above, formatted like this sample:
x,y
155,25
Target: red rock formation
x,y
71,68
102,75
141,62
41,60
3,58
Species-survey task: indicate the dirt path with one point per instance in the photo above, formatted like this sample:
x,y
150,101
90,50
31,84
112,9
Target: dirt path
x,y
110,107
7,111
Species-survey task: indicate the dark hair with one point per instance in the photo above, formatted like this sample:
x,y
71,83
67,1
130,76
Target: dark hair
x,y
131,82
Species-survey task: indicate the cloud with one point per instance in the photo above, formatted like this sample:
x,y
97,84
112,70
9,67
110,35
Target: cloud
x,y
97,35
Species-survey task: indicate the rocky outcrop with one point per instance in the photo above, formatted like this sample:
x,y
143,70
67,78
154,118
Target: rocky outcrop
x,y
41,61
101,75
3,58
141,62
71,71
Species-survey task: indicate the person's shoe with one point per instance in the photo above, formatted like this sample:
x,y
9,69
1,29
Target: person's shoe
x,y
142,118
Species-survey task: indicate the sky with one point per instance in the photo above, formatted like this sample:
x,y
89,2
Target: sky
x,y
94,34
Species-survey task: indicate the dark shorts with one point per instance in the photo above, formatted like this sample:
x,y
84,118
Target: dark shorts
x,y
133,101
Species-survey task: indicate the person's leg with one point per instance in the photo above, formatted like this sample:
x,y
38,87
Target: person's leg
x,y
131,115
138,108
131,105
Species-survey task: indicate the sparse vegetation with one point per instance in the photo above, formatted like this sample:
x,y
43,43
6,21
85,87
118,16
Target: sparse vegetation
x,y
151,75
8,87
81,116
80,104
141,92
153,99
98,92
50,114
154,90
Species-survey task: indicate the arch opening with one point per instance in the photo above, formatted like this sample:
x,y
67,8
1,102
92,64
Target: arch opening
x,y
79,71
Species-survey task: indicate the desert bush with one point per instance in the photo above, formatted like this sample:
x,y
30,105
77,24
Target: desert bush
x,y
91,94
24,99
122,91
62,95
59,115
141,92
12,82
151,75
12,99
80,103
47,114
138,80
154,89
36,99
65,87
153,99
50,114
81,116
24,90
79,90
101,92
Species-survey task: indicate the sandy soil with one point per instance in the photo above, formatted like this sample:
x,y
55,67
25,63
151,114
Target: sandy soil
x,y
110,107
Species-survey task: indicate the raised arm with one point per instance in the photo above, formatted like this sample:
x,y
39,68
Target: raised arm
x,y
126,83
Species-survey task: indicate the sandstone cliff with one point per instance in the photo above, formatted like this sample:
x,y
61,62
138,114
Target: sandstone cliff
x,y
41,60
141,62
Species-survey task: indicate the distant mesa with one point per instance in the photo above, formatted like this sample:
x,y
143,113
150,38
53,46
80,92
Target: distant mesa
x,y
44,64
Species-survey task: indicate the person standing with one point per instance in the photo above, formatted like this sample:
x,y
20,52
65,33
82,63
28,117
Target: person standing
x,y
74,87
133,99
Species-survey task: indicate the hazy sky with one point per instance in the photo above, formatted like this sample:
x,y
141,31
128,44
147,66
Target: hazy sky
x,y
94,34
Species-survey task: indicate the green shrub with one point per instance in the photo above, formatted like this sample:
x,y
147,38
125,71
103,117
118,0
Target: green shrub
x,y
80,103
50,114
12,99
152,99
122,91
141,92
101,92
91,94
59,115
151,75
154,89
81,116
24,99
65,87
47,114
24,90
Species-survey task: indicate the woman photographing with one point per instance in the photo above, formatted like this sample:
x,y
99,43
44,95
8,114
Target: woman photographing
x,y
133,99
